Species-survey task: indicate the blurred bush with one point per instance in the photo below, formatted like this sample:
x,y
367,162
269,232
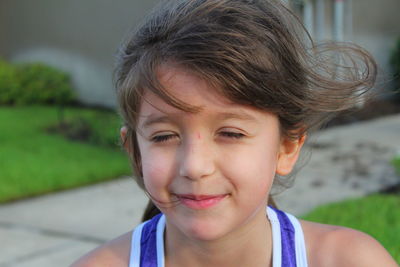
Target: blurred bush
x,y
9,83
95,127
396,163
34,83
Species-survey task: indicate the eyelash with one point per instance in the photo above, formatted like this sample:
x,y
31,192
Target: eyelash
x,y
167,137
162,138
232,135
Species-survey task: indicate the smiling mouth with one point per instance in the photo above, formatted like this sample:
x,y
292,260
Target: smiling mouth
x,y
200,201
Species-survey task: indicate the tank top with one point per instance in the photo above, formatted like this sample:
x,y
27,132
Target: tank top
x,y
289,250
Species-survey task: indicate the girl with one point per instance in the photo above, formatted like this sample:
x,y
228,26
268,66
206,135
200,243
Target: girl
x,y
217,98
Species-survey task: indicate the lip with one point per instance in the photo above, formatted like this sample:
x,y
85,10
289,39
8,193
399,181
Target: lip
x,y
199,202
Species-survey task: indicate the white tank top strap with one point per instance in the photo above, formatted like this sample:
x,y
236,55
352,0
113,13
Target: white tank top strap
x,y
134,260
160,242
300,246
135,255
276,238
300,243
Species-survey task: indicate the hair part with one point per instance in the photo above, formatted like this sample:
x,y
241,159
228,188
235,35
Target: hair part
x,y
253,52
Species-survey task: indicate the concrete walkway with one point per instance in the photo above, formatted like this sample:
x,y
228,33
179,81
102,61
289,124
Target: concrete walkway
x,y
55,229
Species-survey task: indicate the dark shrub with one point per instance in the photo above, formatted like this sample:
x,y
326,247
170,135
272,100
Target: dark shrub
x,y
93,129
42,84
34,83
9,83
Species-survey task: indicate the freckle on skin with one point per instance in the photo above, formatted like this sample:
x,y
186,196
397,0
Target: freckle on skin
x,y
198,136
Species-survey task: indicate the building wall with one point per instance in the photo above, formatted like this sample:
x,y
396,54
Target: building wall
x,y
372,24
80,37
376,27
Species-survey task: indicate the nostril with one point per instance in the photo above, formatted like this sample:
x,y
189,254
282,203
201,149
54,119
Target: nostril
x,y
196,162
196,154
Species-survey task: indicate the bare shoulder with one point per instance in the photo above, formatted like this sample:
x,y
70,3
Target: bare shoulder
x,y
329,245
113,253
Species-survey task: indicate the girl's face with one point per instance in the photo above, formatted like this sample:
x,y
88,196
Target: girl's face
x,y
209,172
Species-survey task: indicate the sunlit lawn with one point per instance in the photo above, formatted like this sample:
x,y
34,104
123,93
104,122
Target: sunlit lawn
x,y
33,161
377,215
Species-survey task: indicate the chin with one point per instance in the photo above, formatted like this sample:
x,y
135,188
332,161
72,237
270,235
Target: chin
x,y
205,234
203,228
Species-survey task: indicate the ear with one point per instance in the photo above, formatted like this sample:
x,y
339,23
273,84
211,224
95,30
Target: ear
x,y
125,142
288,154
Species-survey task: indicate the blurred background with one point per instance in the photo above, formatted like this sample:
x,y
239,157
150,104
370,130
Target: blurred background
x,y
81,38
59,129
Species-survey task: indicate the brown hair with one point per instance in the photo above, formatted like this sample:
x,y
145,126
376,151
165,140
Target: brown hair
x,y
254,52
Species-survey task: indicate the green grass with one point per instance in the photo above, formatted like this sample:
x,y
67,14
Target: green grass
x,y
34,162
377,215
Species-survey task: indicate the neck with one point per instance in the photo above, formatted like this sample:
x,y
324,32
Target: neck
x,y
251,245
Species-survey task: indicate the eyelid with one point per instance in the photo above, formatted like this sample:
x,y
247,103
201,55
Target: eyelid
x,y
232,133
233,130
162,136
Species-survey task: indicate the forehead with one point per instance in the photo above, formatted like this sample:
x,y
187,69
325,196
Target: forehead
x,y
186,87
184,84
189,88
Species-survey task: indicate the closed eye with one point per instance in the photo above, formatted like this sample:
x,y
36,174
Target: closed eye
x,y
162,138
232,135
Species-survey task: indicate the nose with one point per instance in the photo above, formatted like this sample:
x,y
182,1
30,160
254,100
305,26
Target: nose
x,y
196,160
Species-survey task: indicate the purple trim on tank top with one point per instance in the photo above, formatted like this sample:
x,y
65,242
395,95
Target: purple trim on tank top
x,y
287,239
148,243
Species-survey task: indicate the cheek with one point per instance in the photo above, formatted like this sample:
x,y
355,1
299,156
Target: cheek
x,y
252,171
257,163
157,170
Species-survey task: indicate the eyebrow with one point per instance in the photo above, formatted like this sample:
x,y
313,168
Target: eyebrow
x,y
236,115
155,119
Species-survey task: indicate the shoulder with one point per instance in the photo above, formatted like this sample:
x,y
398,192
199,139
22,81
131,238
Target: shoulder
x,y
329,245
113,253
